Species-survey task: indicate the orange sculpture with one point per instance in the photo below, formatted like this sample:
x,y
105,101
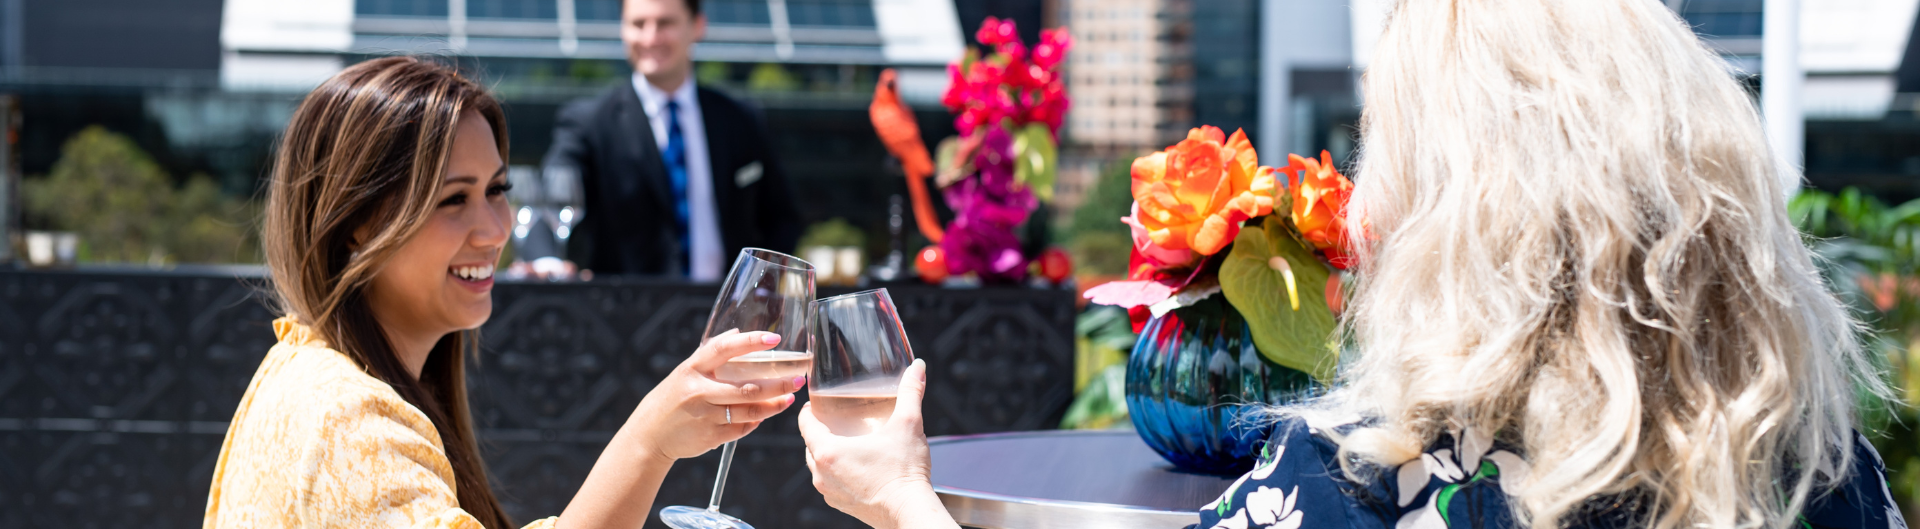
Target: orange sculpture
x,y
898,131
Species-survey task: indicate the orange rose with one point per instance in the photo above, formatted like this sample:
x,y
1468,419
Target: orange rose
x,y
1320,202
1195,194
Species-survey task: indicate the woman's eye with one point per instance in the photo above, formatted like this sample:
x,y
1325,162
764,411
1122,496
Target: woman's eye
x,y
455,200
498,189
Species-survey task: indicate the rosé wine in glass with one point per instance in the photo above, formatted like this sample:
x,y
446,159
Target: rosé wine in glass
x,y
765,367
859,352
856,408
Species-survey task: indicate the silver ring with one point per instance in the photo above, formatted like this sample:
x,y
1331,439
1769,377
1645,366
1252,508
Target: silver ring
x,y
729,414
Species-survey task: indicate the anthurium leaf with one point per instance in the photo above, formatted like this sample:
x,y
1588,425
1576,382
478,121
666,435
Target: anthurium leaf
x,y
1297,338
1038,157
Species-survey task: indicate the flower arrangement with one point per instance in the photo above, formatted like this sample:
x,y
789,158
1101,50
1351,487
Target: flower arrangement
x,y
1009,106
1208,219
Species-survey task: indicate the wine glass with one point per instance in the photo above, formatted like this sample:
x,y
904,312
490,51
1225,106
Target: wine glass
x,y
525,197
766,291
859,353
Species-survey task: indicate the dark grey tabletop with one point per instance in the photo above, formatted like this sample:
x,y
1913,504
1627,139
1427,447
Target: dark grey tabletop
x,y
1065,479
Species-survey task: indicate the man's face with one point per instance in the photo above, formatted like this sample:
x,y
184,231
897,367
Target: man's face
x,y
659,35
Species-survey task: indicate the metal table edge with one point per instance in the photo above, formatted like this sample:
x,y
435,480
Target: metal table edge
x,y
944,439
989,510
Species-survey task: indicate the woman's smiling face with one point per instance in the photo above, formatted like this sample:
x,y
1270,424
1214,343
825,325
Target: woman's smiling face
x,y
441,280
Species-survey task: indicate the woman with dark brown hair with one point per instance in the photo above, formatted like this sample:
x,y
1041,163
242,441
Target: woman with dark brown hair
x,y
385,217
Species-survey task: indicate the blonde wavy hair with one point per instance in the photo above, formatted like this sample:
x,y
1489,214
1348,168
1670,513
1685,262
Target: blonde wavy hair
x,y
1573,237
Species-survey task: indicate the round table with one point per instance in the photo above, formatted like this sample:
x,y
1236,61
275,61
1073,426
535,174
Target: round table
x,y
1065,479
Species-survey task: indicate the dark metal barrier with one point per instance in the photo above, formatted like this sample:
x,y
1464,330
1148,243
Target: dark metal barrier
x,y
116,389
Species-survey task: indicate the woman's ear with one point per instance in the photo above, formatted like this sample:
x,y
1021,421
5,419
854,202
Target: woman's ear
x,y
360,235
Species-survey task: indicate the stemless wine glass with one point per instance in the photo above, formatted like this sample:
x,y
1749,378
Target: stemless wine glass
x,y
859,353
766,291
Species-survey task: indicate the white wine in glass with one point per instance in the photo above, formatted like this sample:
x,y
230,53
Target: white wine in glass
x,y
860,351
766,291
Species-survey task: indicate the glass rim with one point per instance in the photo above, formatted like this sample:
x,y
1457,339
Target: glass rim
x,y
868,292
757,252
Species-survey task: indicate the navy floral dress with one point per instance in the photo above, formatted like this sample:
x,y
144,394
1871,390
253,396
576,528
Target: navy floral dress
x,y
1456,484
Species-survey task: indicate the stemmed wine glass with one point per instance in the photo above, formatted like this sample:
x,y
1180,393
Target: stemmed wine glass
x,y
766,291
859,353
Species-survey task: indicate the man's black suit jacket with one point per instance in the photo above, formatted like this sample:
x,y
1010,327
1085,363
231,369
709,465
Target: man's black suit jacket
x,y
629,225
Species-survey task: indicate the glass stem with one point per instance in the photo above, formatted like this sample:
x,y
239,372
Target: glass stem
x,y
720,482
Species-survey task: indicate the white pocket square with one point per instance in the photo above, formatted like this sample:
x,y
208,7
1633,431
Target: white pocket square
x,y
748,175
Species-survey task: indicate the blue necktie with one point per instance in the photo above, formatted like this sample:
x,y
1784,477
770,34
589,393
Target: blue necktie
x,y
676,158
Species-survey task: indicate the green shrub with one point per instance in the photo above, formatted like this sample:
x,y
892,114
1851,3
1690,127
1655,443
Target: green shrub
x,y
127,210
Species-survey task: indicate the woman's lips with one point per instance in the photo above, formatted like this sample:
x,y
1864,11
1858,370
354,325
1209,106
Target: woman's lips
x,y
478,278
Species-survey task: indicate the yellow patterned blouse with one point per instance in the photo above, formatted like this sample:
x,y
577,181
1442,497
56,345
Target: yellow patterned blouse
x,y
319,443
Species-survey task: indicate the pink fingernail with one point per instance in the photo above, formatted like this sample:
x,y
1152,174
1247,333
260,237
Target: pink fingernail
x,y
799,382
770,339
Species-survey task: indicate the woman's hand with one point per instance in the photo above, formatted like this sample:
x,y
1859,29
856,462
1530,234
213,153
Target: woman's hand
x,y
688,413
684,416
882,478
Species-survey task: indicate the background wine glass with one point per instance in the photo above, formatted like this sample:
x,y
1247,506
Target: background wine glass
x,y
859,353
765,291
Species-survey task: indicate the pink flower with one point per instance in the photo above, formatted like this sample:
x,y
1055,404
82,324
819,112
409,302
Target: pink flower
x,y
994,32
957,87
1013,49
1160,258
1052,48
1129,294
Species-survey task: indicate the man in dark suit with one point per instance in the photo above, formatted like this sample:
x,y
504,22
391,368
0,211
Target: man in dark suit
x,y
675,179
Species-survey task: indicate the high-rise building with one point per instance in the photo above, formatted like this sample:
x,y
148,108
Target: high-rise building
x,y
1130,75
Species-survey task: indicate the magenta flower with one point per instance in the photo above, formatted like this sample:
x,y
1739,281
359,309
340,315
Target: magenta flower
x,y
995,32
1052,48
1010,89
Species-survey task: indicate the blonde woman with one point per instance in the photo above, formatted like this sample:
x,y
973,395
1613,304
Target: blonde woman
x,y
1582,304
385,216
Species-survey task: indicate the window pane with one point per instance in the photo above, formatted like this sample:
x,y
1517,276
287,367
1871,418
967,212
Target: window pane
x,y
1724,18
535,9
405,8
831,13
742,12
596,10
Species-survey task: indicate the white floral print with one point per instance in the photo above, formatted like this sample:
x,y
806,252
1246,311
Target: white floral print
x,y
1438,489
1237,521
1453,470
1271,507
1261,470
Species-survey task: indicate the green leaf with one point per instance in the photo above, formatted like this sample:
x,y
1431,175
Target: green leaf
x,y
1446,499
1487,470
1035,159
948,165
1301,339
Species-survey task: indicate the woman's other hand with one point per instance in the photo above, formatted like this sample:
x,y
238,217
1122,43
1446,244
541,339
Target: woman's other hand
x,y
883,478
688,413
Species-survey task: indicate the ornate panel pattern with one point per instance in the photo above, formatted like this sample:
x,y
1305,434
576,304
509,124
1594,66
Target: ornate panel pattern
x,y
116,389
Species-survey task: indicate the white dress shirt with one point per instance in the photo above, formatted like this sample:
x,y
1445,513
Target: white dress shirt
x,y
704,257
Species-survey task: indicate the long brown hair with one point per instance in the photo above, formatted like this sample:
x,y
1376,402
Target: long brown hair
x,y
357,172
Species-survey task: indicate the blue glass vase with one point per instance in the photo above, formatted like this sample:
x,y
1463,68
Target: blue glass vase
x,y
1193,375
